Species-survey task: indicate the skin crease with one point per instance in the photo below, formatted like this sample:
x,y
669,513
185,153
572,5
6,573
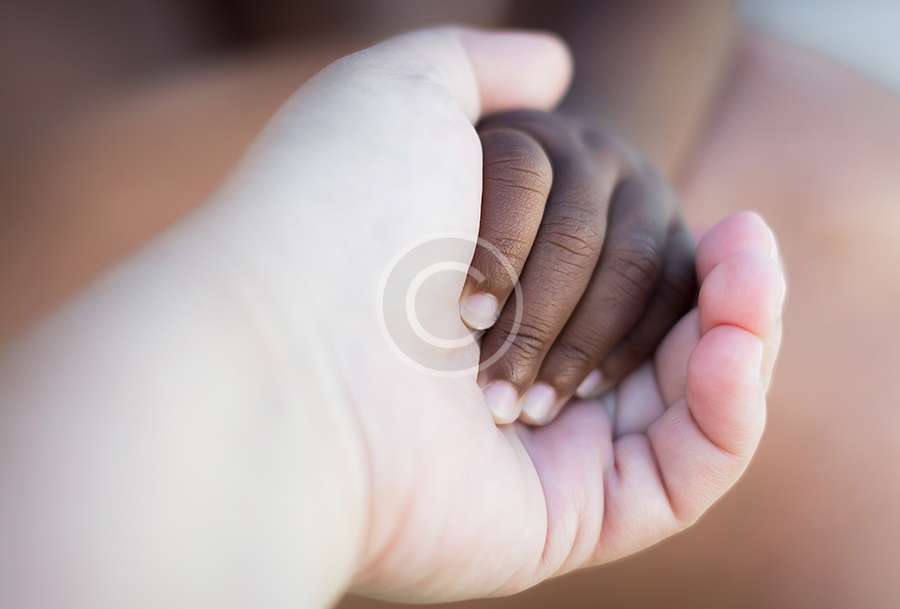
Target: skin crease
x,y
347,468
807,526
811,522
609,266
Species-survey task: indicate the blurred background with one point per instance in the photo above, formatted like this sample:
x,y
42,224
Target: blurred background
x,y
119,116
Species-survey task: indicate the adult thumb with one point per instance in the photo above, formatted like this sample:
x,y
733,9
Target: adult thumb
x,y
483,71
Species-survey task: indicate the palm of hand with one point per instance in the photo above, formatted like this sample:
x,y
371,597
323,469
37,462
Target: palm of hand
x,y
465,508
459,507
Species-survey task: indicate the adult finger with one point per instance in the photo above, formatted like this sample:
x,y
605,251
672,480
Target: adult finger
x,y
482,71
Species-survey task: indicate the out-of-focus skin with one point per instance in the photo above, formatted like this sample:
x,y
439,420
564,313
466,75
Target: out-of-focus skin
x,y
228,394
112,175
813,523
809,144
649,69
92,171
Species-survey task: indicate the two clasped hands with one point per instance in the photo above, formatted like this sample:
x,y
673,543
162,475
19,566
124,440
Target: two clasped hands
x,y
223,422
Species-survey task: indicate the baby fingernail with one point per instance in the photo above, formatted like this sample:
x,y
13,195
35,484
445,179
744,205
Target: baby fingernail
x,y
502,400
538,403
479,311
591,385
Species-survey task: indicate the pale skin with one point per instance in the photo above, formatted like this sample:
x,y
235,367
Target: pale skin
x,y
814,516
789,535
228,418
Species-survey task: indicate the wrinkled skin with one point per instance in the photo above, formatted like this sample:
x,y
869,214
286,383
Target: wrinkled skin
x,y
813,521
812,516
397,476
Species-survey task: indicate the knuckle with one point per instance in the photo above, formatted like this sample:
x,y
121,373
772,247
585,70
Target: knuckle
x,y
515,161
514,182
500,255
415,72
577,353
648,173
528,341
505,242
641,200
575,240
410,76
597,139
527,346
605,147
637,266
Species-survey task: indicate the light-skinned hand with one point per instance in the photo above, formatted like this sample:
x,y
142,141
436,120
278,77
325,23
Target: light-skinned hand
x,y
228,420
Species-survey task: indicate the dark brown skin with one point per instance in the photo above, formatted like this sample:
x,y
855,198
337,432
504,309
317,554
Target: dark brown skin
x,y
595,236
69,117
813,523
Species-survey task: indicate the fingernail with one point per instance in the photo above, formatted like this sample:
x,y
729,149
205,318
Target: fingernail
x,y
502,400
479,311
538,403
590,386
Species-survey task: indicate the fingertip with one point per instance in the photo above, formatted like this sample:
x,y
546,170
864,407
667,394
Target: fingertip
x,y
539,404
742,231
593,385
479,311
516,68
747,290
482,71
502,399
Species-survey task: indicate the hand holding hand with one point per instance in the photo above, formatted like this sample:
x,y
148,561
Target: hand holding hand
x,y
380,150
258,421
